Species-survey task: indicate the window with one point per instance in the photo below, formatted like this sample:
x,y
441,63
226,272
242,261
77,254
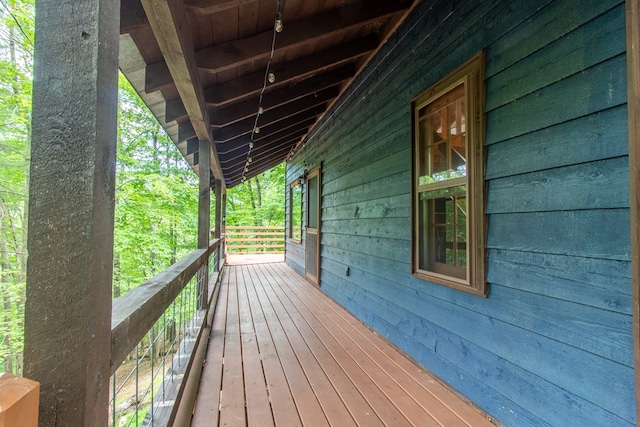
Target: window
x,y
448,187
295,211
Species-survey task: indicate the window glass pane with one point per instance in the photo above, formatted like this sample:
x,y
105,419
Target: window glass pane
x,y
295,230
442,233
312,198
448,189
442,135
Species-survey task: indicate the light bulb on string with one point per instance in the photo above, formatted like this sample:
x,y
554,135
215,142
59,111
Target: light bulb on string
x,y
251,145
256,130
250,160
260,110
278,26
271,77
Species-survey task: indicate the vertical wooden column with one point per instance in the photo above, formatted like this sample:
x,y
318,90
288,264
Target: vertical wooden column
x,y
204,217
71,204
218,221
633,108
224,226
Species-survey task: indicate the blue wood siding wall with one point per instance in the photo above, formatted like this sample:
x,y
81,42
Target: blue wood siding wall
x,y
552,344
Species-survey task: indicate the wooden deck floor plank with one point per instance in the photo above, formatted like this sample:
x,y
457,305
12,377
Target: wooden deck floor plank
x,y
440,401
333,406
283,406
232,399
258,408
341,350
361,411
293,357
405,393
309,408
207,407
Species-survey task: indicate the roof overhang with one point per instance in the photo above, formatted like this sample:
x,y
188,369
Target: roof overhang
x,y
202,67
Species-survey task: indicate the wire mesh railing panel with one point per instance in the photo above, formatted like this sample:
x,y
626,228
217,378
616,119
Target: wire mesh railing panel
x,y
144,387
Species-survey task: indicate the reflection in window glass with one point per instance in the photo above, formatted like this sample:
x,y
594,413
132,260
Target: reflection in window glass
x,y
449,223
295,212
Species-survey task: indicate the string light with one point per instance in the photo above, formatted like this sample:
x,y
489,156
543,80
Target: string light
x,y
269,77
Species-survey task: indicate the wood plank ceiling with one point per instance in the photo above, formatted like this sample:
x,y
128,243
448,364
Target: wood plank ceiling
x,y
202,67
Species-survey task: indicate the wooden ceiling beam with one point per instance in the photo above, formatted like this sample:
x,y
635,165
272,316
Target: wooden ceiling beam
x,y
132,16
229,55
232,54
238,143
232,156
224,116
257,167
207,7
186,131
288,115
281,112
286,73
279,151
169,24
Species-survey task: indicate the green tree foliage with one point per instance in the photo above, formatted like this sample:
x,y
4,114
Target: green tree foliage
x,y
16,36
259,201
156,197
156,191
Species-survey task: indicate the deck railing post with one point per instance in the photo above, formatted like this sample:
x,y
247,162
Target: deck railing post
x,y
204,217
218,221
71,209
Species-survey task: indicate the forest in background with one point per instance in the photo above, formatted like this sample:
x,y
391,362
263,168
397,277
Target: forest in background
x,y
156,191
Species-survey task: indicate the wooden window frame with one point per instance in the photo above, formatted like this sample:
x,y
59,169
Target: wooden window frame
x,y
290,228
471,75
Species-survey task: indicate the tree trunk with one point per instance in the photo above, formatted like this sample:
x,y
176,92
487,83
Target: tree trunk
x,y
253,204
259,191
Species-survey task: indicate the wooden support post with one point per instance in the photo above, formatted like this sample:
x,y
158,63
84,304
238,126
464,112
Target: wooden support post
x,y
633,108
71,209
223,246
204,217
218,220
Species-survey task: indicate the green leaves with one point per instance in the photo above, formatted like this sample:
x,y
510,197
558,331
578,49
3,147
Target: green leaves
x,y
258,201
156,197
16,35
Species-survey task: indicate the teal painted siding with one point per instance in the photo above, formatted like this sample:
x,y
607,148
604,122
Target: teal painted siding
x,y
552,344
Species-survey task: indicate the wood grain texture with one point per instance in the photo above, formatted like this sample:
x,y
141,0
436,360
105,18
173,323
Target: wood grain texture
x,y
557,181
541,149
71,210
600,87
595,42
168,21
577,187
134,313
319,365
633,91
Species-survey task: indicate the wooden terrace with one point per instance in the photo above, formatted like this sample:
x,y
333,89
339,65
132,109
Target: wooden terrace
x,y
291,356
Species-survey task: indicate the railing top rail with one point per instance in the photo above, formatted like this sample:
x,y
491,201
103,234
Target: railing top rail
x,y
255,227
134,313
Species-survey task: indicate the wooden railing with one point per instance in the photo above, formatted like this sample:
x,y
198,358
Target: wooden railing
x,y
254,240
135,314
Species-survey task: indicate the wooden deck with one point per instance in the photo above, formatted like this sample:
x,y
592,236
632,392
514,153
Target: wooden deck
x,y
292,357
